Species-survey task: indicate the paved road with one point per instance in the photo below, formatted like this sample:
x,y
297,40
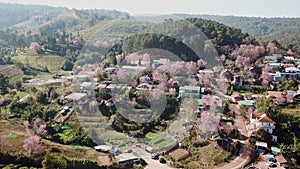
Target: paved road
x,y
152,164
244,157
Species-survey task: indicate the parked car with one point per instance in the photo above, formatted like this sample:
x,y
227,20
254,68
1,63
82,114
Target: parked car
x,y
154,156
162,160
271,164
128,151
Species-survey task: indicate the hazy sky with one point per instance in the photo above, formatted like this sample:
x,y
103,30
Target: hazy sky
x,y
264,8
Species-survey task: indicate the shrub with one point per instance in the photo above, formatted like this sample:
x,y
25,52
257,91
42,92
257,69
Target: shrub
x,y
52,161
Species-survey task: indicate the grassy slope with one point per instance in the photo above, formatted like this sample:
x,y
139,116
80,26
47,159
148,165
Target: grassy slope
x,y
16,134
108,30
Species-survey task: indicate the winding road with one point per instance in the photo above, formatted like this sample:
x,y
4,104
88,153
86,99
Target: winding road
x,y
245,153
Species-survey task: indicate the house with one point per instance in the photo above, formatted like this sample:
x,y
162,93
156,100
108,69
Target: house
x,y
275,58
275,65
280,76
144,86
126,160
179,154
140,62
283,161
246,103
288,65
86,85
236,97
262,120
206,71
104,148
278,97
111,70
238,81
187,91
134,68
260,144
289,58
292,70
227,75
81,97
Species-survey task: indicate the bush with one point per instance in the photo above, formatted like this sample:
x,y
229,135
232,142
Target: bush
x,y
53,161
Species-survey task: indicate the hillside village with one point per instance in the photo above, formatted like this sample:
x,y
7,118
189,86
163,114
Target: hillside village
x,y
64,104
238,125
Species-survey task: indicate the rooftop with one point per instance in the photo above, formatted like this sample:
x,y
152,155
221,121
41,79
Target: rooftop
x,y
261,144
76,96
190,88
179,154
262,117
246,103
281,159
126,157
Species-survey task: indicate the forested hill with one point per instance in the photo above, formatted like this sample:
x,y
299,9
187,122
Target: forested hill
x,y
284,30
22,16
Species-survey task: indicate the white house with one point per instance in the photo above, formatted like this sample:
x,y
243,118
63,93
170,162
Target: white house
x,y
279,76
292,70
187,91
263,121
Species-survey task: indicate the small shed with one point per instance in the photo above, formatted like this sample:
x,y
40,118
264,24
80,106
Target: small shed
x,y
261,144
103,148
179,154
275,150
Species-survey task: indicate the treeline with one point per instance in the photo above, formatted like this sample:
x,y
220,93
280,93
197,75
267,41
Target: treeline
x,y
284,30
12,14
223,38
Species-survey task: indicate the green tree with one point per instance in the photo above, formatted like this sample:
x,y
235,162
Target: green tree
x,y
4,84
52,161
41,97
67,65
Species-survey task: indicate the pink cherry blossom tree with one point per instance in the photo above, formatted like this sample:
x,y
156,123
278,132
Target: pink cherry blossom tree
x,y
229,62
191,67
32,145
77,40
101,44
123,76
205,79
290,52
265,76
119,58
207,99
177,67
247,62
247,51
160,77
239,61
41,130
272,48
201,63
223,58
243,62
35,46
208,124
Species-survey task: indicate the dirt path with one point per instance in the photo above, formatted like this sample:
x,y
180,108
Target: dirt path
x,y
244,157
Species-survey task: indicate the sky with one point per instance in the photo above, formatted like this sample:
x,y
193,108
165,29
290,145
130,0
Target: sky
x,y
261,8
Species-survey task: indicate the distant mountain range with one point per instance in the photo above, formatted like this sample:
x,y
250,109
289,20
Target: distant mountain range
x,y
284,30
38,17
31,16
